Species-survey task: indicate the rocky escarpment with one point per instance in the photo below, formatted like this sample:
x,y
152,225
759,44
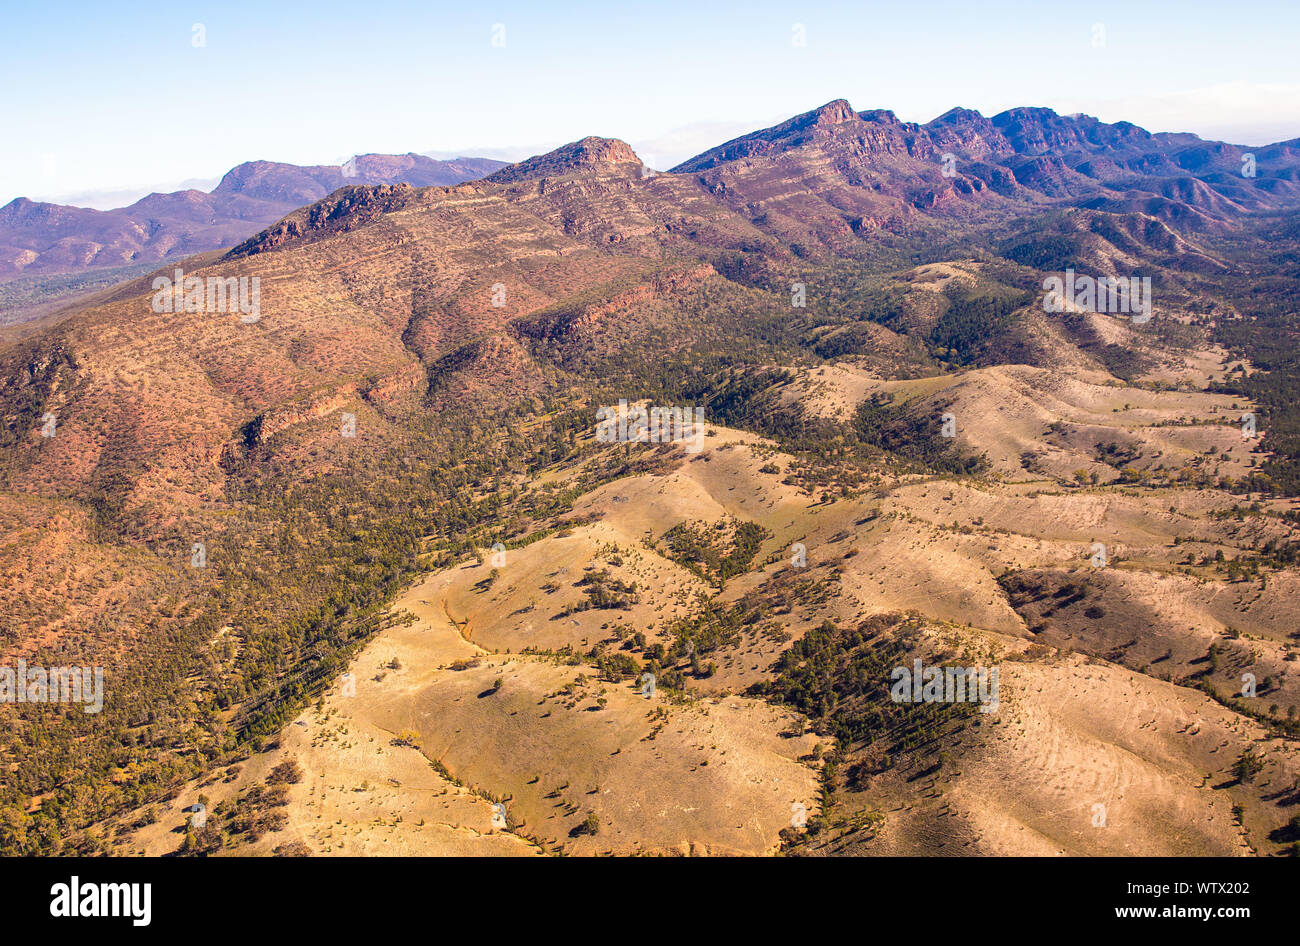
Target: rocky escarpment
x,y
586,321
276,420
342,211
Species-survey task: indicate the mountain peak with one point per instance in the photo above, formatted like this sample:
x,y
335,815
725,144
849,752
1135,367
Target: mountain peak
x,y
591,153
837,112
818,123
1037,130
17,205
882,116
1028,113
959,115
833,113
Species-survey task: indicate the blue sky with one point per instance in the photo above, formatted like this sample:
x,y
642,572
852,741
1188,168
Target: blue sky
x,y
106,102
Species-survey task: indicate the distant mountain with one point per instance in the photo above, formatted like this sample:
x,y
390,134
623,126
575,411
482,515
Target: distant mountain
x,y
39,238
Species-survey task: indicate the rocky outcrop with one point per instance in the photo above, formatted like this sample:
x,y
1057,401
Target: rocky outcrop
x,y
589,154
342,211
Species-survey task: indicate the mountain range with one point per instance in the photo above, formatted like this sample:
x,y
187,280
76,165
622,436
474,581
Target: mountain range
x,y
45,238
363,578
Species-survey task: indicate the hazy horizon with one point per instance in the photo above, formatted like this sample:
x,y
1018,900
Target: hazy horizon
x,y
660,153
249,83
